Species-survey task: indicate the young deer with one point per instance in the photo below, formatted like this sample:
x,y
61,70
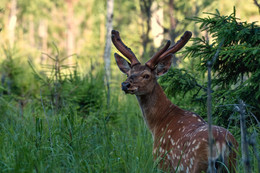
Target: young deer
x,y
180,137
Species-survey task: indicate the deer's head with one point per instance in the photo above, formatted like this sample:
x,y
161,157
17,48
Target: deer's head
x,y
141,79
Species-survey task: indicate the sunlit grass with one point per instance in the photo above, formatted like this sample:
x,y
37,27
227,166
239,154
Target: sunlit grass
x,y
70,143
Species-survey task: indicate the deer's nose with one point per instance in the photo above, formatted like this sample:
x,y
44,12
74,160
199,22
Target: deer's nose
x,y
125,86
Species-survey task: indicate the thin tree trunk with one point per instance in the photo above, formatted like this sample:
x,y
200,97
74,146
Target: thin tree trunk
x,y
156,24
145,6
173,22
173,25
70,30
31,31
244,141
12,22
107,53
257,4
211,162
43,34
210,64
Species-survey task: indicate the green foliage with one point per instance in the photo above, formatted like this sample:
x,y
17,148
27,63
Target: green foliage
x,y
62,85
54,119
184,90
16,77
79,134
236,70
86,93
178,81
235,75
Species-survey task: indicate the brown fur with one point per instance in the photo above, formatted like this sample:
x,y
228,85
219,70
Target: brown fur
x,y
180,137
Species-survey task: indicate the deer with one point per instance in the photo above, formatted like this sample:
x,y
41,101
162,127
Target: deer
x,y
180,137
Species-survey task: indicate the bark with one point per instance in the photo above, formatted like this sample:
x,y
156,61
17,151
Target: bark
x,y
173,21
43,34
257,4
244,141
145,6
31,31
70,29
107,53
173,25
12,22
156,24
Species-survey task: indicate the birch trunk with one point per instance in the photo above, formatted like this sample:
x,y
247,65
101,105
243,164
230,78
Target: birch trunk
x,y
12,22
157,23
43,34
107,53
31,31
173,24
70,30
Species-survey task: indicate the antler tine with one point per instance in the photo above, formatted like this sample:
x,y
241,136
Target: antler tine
x,y
127,52
152,62
175,48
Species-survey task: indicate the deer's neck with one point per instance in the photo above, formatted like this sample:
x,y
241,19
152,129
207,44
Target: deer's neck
x,y
155,107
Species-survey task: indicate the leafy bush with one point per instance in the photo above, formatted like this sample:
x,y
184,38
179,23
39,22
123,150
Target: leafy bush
x,y
236,70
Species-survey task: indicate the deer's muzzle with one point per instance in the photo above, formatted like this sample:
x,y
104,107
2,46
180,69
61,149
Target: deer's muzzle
x,y
125,86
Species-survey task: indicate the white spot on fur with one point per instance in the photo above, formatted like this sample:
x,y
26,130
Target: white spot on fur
x,y
191,161
172,141
161,139
181,167
197,146
193,142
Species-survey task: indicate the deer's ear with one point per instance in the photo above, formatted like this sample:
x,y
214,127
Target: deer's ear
x,y
164,65
123,65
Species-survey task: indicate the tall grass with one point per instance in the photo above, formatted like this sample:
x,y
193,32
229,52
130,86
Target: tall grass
x,y
71,143
66,126
80,134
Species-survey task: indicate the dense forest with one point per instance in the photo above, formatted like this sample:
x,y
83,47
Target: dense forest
x,y
61,104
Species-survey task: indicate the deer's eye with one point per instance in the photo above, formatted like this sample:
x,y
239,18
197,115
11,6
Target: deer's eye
x,y
146,76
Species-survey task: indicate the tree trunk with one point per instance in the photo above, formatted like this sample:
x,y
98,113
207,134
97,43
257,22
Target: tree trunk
x,y
107,53
12,22
70,30
156,24
31,31
173,24
43,34
145,6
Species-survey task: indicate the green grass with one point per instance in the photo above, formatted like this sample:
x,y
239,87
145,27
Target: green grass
x,y
74,139
70,143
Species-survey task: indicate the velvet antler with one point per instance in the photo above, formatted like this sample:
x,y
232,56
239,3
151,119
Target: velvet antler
x,y
165,51
127,52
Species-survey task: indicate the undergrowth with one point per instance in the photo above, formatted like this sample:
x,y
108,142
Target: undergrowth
x,y
64,125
